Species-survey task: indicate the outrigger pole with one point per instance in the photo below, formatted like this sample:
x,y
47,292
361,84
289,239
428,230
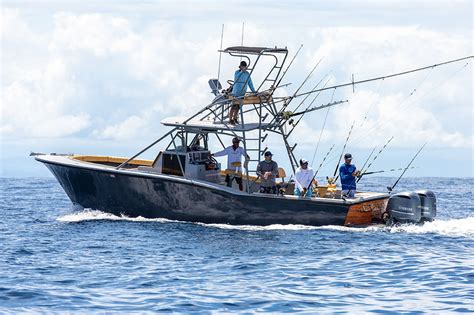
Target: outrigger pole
x,y
316,108
380,78
406,168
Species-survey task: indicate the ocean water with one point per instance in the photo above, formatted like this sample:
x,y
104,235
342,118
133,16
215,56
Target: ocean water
x,y
56,260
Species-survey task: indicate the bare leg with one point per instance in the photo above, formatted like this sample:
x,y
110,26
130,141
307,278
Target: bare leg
x,y
231,114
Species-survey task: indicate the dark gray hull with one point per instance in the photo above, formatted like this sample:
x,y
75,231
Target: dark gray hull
x,y
162,196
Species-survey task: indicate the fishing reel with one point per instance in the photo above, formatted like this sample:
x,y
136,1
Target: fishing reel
x,y
330,180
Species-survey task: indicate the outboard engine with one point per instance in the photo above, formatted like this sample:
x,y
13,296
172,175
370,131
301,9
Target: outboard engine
x,y
404,207
428,204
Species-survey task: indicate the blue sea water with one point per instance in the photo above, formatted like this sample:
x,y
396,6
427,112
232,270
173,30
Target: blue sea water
x,y
56,260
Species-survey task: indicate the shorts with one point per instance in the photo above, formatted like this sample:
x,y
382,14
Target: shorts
x,y
309,193
229,180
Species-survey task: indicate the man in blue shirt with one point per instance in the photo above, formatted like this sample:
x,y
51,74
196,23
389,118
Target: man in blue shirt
x,y
348,173
242,79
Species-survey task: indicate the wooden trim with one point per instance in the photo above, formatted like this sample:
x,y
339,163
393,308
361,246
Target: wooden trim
x,y
366,213
110,159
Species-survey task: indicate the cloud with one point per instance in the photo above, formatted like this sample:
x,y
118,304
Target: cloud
x,y
103,74
127,129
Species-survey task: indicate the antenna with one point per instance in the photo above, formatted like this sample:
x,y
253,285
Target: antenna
x,y
242,40
220,55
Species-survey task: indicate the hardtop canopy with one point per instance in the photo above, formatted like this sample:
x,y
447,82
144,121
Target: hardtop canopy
x,y
254,50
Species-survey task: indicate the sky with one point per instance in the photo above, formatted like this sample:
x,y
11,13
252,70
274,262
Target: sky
x,y
97,77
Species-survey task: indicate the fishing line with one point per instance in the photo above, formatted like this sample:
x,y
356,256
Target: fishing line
x,y
382,125
376,126
324,124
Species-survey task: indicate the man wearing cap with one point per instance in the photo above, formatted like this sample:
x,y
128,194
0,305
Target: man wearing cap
x,y
234,162
267,170
348,173
242,79
303,177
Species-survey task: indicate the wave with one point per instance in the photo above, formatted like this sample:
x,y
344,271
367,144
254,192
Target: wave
x,y
450,227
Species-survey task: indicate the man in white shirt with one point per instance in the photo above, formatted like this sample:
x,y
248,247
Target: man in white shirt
x,y
234,162
303,177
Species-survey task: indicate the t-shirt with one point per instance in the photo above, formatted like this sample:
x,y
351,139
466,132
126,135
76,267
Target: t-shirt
x,y
241,80
233,156
303,177
347,180
264,167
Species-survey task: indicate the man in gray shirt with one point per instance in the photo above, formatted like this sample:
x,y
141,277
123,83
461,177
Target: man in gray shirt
x,y
267,170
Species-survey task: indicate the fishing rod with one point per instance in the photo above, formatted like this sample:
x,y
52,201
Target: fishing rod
x,y
306,110
289,99
406,168
320,165
314,87
289,65
383,171
343,149
368,158
375,157
382,77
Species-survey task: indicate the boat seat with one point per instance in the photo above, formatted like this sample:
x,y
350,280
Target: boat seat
x,y
281,173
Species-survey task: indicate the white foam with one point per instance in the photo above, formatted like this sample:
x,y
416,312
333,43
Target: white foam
x,y
90,215
453,227
291,227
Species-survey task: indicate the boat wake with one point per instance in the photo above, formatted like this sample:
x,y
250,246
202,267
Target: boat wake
x,y
92,215
451,227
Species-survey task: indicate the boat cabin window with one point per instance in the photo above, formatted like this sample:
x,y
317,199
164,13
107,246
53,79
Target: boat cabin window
x,y
198,143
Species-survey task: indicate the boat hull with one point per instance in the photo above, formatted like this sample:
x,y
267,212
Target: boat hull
x,y
147,195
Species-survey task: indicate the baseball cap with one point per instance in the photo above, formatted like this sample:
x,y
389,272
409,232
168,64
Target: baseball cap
x,y
268,153
348,156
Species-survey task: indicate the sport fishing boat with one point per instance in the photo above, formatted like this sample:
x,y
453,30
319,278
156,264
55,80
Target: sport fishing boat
x,y
185,182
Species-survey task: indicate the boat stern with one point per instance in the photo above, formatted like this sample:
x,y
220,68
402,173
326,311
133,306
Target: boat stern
x,y
367,212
